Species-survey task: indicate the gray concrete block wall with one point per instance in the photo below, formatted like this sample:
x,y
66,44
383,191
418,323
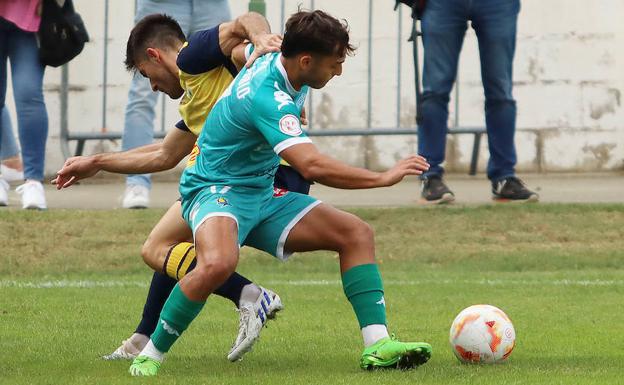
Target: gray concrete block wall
x,y
568,85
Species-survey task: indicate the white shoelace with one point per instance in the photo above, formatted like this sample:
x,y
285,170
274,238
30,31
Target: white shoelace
x,y
245,312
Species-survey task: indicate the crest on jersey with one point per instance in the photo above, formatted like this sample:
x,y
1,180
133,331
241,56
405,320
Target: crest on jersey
x,y
289,125
221,201
279,192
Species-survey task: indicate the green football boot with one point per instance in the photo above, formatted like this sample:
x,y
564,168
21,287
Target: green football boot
x,y
388,353
144,366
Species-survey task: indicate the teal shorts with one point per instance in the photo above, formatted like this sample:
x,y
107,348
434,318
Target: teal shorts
x,y
264,218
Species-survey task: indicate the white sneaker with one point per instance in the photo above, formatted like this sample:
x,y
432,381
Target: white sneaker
x,y
252,318
136,197
129,348
33,195
10,174
4,192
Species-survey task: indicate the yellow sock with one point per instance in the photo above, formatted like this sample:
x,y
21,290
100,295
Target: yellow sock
x,y
179,260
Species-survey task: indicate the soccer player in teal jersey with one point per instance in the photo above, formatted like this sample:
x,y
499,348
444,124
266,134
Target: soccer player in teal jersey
x,y
228,199
198,68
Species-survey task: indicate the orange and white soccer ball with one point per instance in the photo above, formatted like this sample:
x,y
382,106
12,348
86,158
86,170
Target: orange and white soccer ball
x,y
482,334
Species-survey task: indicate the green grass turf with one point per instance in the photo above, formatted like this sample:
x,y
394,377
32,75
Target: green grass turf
x,y
555,269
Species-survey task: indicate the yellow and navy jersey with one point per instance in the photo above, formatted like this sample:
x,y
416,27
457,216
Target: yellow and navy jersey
x,y
205,72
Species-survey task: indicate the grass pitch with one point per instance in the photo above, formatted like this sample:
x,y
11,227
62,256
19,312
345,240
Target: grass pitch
x,y
72,287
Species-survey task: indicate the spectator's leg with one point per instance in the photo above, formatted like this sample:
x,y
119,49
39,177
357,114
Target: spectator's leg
x,y
4,186
138,123
495,22
4,52
443,26
8,149
140,108
32,117
11,167
207,14
6,135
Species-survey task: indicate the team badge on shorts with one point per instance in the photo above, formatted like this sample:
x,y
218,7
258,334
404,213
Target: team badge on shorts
x,y
279,192
221,201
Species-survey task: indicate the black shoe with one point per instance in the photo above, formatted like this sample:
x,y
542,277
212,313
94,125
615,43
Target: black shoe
x,y
434,191
512,189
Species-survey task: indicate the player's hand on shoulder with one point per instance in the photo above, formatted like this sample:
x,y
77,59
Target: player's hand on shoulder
x,y
74,169
412,165
265,43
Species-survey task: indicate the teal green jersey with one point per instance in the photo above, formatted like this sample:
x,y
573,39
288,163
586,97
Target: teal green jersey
x,y
255,119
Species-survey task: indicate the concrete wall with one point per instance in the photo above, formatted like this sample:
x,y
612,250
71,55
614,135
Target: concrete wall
x,y
568,85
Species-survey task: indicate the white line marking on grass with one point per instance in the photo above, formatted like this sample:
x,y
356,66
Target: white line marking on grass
x,y
89,284
485,282
521,282
82,284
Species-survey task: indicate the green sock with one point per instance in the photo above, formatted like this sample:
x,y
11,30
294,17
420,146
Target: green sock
x,y
363,287
175,317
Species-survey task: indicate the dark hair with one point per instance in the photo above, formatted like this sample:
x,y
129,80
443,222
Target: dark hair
x,y
316,32
157,30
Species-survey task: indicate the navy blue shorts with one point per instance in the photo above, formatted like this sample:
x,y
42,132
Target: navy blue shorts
x,y
288,178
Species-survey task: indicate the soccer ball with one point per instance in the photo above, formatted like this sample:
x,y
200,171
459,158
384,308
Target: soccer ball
x,y
482,334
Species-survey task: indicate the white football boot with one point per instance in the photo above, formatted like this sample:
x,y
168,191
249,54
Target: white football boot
x,y
252,318
129,348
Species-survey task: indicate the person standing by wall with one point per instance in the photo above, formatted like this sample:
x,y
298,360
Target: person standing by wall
x,y
193,16
19,22
444,24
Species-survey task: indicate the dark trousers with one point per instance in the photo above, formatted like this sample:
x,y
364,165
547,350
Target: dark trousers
x,y
444,25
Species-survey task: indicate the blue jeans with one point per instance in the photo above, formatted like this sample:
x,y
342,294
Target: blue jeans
x,y
193,16
8,145
444,24
20,48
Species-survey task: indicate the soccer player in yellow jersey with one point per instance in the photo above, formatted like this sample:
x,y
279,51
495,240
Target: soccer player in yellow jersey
x,y
198,70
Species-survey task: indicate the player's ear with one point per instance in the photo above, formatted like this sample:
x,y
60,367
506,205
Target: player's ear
x,y
305,61
153,54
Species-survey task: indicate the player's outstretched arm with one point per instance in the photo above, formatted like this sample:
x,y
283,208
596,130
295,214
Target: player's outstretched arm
x,y
315,166
253,27
141,160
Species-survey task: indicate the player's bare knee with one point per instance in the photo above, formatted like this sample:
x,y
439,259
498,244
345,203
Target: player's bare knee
x,y
357,233
218,269
149,254
364,233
